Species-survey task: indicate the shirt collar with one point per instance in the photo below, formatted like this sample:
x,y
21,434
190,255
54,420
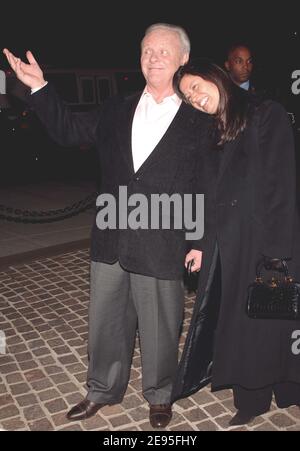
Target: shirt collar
x,y
245,85
173,98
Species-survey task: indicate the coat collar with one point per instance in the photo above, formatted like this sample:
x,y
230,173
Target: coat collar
x,y
227,156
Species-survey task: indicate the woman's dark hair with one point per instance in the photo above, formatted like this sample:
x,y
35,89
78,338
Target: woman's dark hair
x,y
232,113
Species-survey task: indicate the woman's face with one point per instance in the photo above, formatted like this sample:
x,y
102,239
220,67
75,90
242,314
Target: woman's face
x,y
201,94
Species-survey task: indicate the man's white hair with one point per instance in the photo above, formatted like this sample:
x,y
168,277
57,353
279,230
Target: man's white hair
x,y
183,36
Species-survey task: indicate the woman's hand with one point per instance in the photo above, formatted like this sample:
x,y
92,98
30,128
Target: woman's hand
x,y
197,257
29,74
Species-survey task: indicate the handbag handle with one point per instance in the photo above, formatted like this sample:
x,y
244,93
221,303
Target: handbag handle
x,y
264,261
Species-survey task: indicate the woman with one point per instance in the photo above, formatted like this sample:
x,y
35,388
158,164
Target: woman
x,y
248,178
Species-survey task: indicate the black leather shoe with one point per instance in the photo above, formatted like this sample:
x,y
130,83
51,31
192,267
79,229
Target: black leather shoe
x,y
160,415
241,418
85,409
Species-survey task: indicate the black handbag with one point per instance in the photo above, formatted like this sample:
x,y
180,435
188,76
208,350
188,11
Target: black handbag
x,y
278,298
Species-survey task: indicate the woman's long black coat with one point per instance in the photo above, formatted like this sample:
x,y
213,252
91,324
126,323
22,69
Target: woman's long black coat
x,y
250,208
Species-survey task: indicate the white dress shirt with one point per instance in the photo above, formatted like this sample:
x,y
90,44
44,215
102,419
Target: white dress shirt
x,y
33,90
150,123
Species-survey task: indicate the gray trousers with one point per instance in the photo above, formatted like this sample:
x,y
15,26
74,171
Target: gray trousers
x,y
120,302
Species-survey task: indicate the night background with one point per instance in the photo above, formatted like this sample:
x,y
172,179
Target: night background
x,y
108,34
90,50
67,35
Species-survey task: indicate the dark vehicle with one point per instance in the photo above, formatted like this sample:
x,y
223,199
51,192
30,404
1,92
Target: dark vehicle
x,y
27,152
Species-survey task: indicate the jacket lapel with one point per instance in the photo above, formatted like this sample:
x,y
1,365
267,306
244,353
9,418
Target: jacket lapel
x,y
126,113
181,123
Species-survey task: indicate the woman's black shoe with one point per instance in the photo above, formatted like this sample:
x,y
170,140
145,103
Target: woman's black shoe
x,y
241,418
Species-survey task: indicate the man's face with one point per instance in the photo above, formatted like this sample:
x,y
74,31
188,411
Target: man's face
x,y
161,56
240,65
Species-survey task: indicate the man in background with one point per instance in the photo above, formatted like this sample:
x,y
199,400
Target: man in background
x,y
239,65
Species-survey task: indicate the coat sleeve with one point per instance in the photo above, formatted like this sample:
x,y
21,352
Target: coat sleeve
x,y
65,127
277,154
199,189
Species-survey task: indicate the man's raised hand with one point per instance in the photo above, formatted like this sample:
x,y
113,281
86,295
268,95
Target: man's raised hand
x,y
28,73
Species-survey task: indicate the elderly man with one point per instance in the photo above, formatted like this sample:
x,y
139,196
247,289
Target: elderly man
x,y
148,143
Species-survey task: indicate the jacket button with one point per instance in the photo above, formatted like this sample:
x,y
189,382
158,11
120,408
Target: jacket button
x,y
234,203
136,179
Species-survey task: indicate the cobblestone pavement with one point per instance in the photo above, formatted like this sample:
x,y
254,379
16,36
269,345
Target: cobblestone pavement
x,y
44,316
